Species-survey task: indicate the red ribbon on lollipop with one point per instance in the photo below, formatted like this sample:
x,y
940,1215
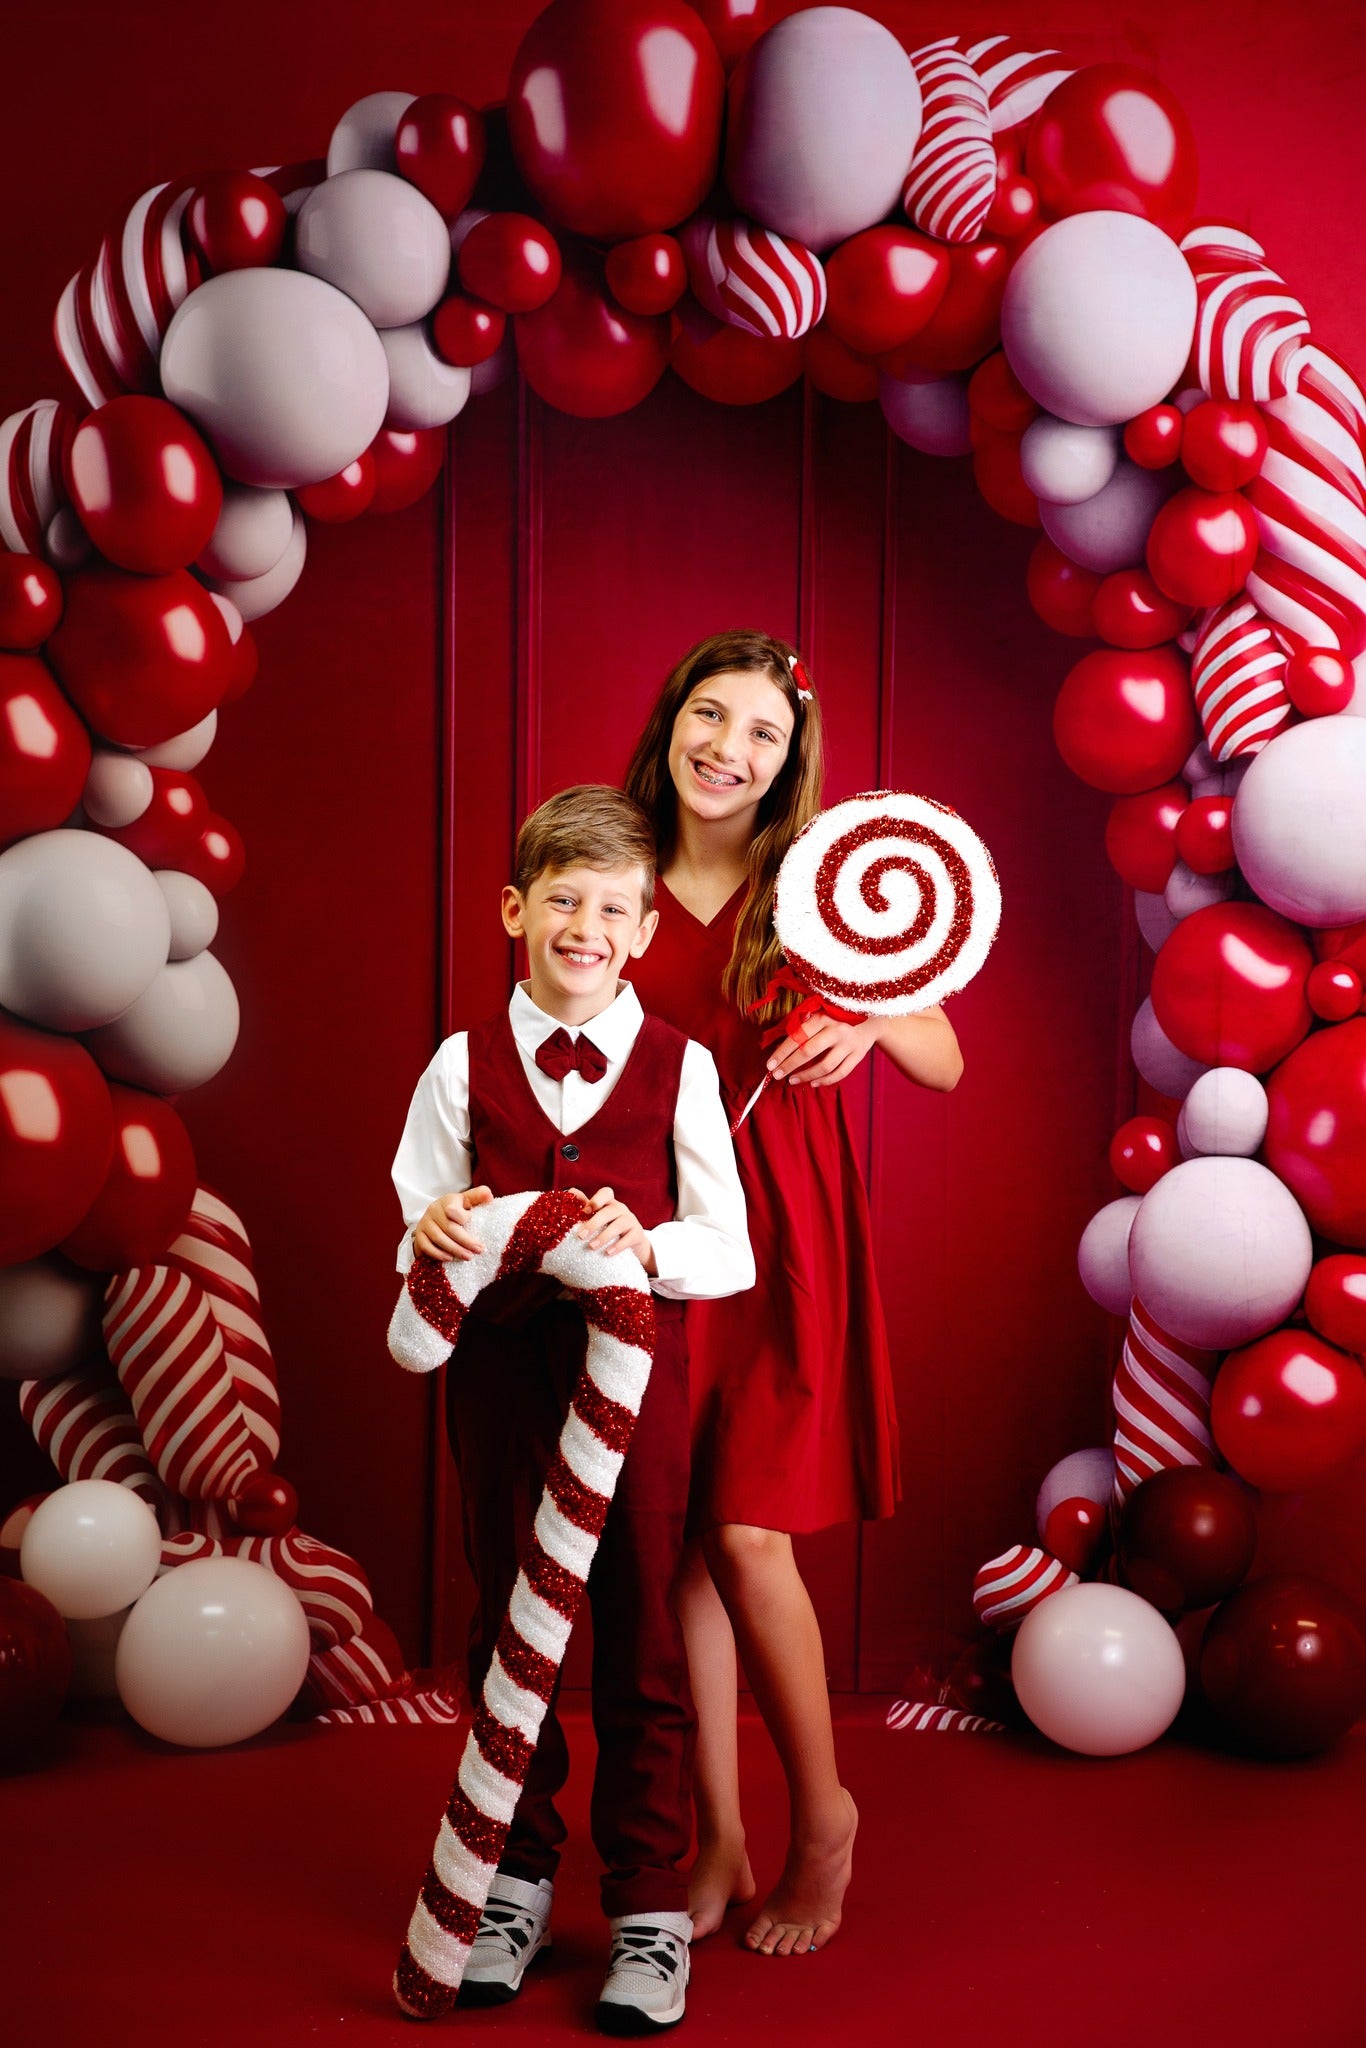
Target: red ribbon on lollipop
x,y
793,1025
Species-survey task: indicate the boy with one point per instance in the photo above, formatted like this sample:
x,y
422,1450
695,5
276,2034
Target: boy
x,y
573,1086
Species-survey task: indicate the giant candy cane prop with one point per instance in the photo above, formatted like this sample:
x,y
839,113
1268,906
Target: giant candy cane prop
x,y
521,1234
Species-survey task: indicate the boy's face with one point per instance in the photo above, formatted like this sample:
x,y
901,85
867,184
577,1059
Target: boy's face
x,y
580,926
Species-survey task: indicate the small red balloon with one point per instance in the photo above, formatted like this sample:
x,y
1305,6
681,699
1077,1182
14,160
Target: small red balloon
x,y
1130,611
236,221
1319,682
144,485
734,25
1187,1538
56,1137
345,495
1140,835
35,1664
585,356
1288,1410
44,750
142,1205
142,657
439,146
1316,1129
1153,439
1228,986
172,823
729,366
883,286
997,397
1075,1534
1283,1665
1204,836
1202,545
1014,210
1126,721
511,261
264,1505
1111,137
245,661
1061,591
996,468
1334,991
966,324
466,331
1223,444
217,858
1335,1300
836,370
407,464
1141,1151
647,275
30,602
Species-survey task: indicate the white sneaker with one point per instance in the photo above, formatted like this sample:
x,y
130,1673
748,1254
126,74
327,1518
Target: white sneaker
x,y
513,1929
647,1978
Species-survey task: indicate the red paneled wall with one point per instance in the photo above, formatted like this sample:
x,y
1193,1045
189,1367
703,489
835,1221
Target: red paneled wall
x,y
440,669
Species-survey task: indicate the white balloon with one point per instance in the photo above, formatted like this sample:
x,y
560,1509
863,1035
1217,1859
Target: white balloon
x,y
495,369
252,533
83,929
1200,763
282,372
463,223
1220,1252
1098,317
424,391
1155,921
261,594
193,910
179,1032
1225,1112
185,750
1065,463
929,413
117,790
378,239
1103,1254
1299,825
1098,1670
364,136
91,1547
212,1653
1163,1065
49,1320
1186,891
1081,1475
1109,531
94,1645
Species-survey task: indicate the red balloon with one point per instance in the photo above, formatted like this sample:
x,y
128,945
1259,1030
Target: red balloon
x,y
56,1137
1110,137
245,661
1223,444
143,657
466,331
347,494
144,484
217,858
1187,1538
1288,1410
1140,835
44,750
734,25
585,356
1142,1150
728,365
1202,545
407,464
614,109
264,1505
1335,1300
1283,1665
996,467
647,275
1316,1129
1015,208
1126,721
1153,439
1228,986
883,285
1061,591
146,1195
1075,1533
836,370
1130,611
1319,681
172,823
236,221
1204,837
966,324
510,260
30,602
439,146
1334,991
35,1664
998,399
1345,943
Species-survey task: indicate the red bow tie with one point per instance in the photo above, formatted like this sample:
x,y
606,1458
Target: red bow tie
x,y
560,1054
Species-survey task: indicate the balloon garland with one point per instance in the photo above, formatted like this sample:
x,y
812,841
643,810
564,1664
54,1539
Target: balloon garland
x,y
996,246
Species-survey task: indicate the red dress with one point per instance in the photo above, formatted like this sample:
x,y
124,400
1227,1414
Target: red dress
x,y
794,1426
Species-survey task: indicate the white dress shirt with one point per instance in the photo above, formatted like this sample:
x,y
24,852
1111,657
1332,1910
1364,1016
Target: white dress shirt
x,y
703,1253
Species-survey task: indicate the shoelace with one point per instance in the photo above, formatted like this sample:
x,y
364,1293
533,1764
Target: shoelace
x,y
637,1945
509,1927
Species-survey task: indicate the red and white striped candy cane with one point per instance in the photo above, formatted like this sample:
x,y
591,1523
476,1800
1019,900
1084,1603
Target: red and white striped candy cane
x,y
928,1717
1310,575
764,283
1161,1394
1017,81
952,179
85,1423
167,1350
368,1667
1007,1588
215,1251
1238,677
33,445
1248,324
521,1234
331,1587
112,316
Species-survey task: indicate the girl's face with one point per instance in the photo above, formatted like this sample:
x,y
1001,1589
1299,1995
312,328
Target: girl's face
x,y
729,742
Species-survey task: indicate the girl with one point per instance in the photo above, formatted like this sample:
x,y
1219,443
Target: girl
x,y
794,1427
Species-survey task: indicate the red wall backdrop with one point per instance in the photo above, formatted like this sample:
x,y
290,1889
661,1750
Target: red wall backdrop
x,y
440,669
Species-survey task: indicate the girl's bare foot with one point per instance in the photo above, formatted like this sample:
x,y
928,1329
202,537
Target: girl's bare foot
x,y
720,1877
803,1910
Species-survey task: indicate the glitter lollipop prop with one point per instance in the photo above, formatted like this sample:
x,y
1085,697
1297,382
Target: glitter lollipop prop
x,y
885,904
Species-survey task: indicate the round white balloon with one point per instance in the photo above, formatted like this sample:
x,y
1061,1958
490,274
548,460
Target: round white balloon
x,y
363,139
253,531
1225,1113
179,1032
1299,825
1155,921
1098,317
1220,1252
1109,530
929,413
1081,1475
1163,1065
1065,463
193,911
117,790
49,1320
83,929
424,391
91,1547
1103,1254
261,594
185,750
495,370
212,1653
1098,1670
378,239
282,372
1187,892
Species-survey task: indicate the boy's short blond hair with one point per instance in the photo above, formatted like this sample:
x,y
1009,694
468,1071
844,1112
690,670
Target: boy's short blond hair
x,y
589,826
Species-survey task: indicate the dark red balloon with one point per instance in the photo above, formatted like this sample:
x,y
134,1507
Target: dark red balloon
x,y
265,1505
836,370
407,464
1125,721
1202,545
347,494
728,365
245,661
236,221
1335,1300
1130,611
1228,986
1316,1129
586,356
1141,1151
1334,991
172,823
30,602
734,25
996,469
146,1195
466,331
1204,837
1153,439
1222,444
1111,137
998,399
439,146
883,286
648,275
966,324
614,110
1140,835
56,1137
44,749
511,261
35,1664
217,858
1187,1538
1014,210
144,485
1288,1410
1061,591
143,657
1283,1665
1319,681
1075,1533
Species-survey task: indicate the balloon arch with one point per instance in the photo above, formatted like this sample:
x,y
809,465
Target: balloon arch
x,y
1002,252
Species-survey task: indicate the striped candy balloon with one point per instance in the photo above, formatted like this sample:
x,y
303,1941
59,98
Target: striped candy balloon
x,y
85,1423
166,1348
1161,1395
1008,1587
188,1547
1247,323
1326,407
764,283
925,1717
952,179
331,1587
443,1708
215,1252
1310,574
1238,676
33,445
111,318
369,1666
1017,81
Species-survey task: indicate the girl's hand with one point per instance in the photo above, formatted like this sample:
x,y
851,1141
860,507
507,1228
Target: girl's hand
x,y
443,1230
611,1228
827,1053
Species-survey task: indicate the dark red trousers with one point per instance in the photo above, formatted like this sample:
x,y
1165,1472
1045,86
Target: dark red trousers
x,y
507,1393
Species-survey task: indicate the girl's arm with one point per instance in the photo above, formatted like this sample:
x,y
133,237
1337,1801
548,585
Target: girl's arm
x,y
923,1047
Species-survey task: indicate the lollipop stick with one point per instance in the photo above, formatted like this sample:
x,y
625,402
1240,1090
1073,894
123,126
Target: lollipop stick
x,y
750,1104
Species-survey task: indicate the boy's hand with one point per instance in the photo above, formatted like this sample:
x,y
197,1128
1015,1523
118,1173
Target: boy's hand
x,y
611,1228
443,1231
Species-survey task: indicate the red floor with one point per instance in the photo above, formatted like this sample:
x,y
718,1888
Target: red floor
x,y
1005,1895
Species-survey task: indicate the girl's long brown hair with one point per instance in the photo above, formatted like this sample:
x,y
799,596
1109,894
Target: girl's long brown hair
x,y
791,802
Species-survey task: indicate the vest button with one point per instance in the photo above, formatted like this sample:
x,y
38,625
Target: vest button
x,y
569,1151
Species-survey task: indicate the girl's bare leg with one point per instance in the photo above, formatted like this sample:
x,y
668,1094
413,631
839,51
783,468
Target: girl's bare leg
x,y
721,1874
